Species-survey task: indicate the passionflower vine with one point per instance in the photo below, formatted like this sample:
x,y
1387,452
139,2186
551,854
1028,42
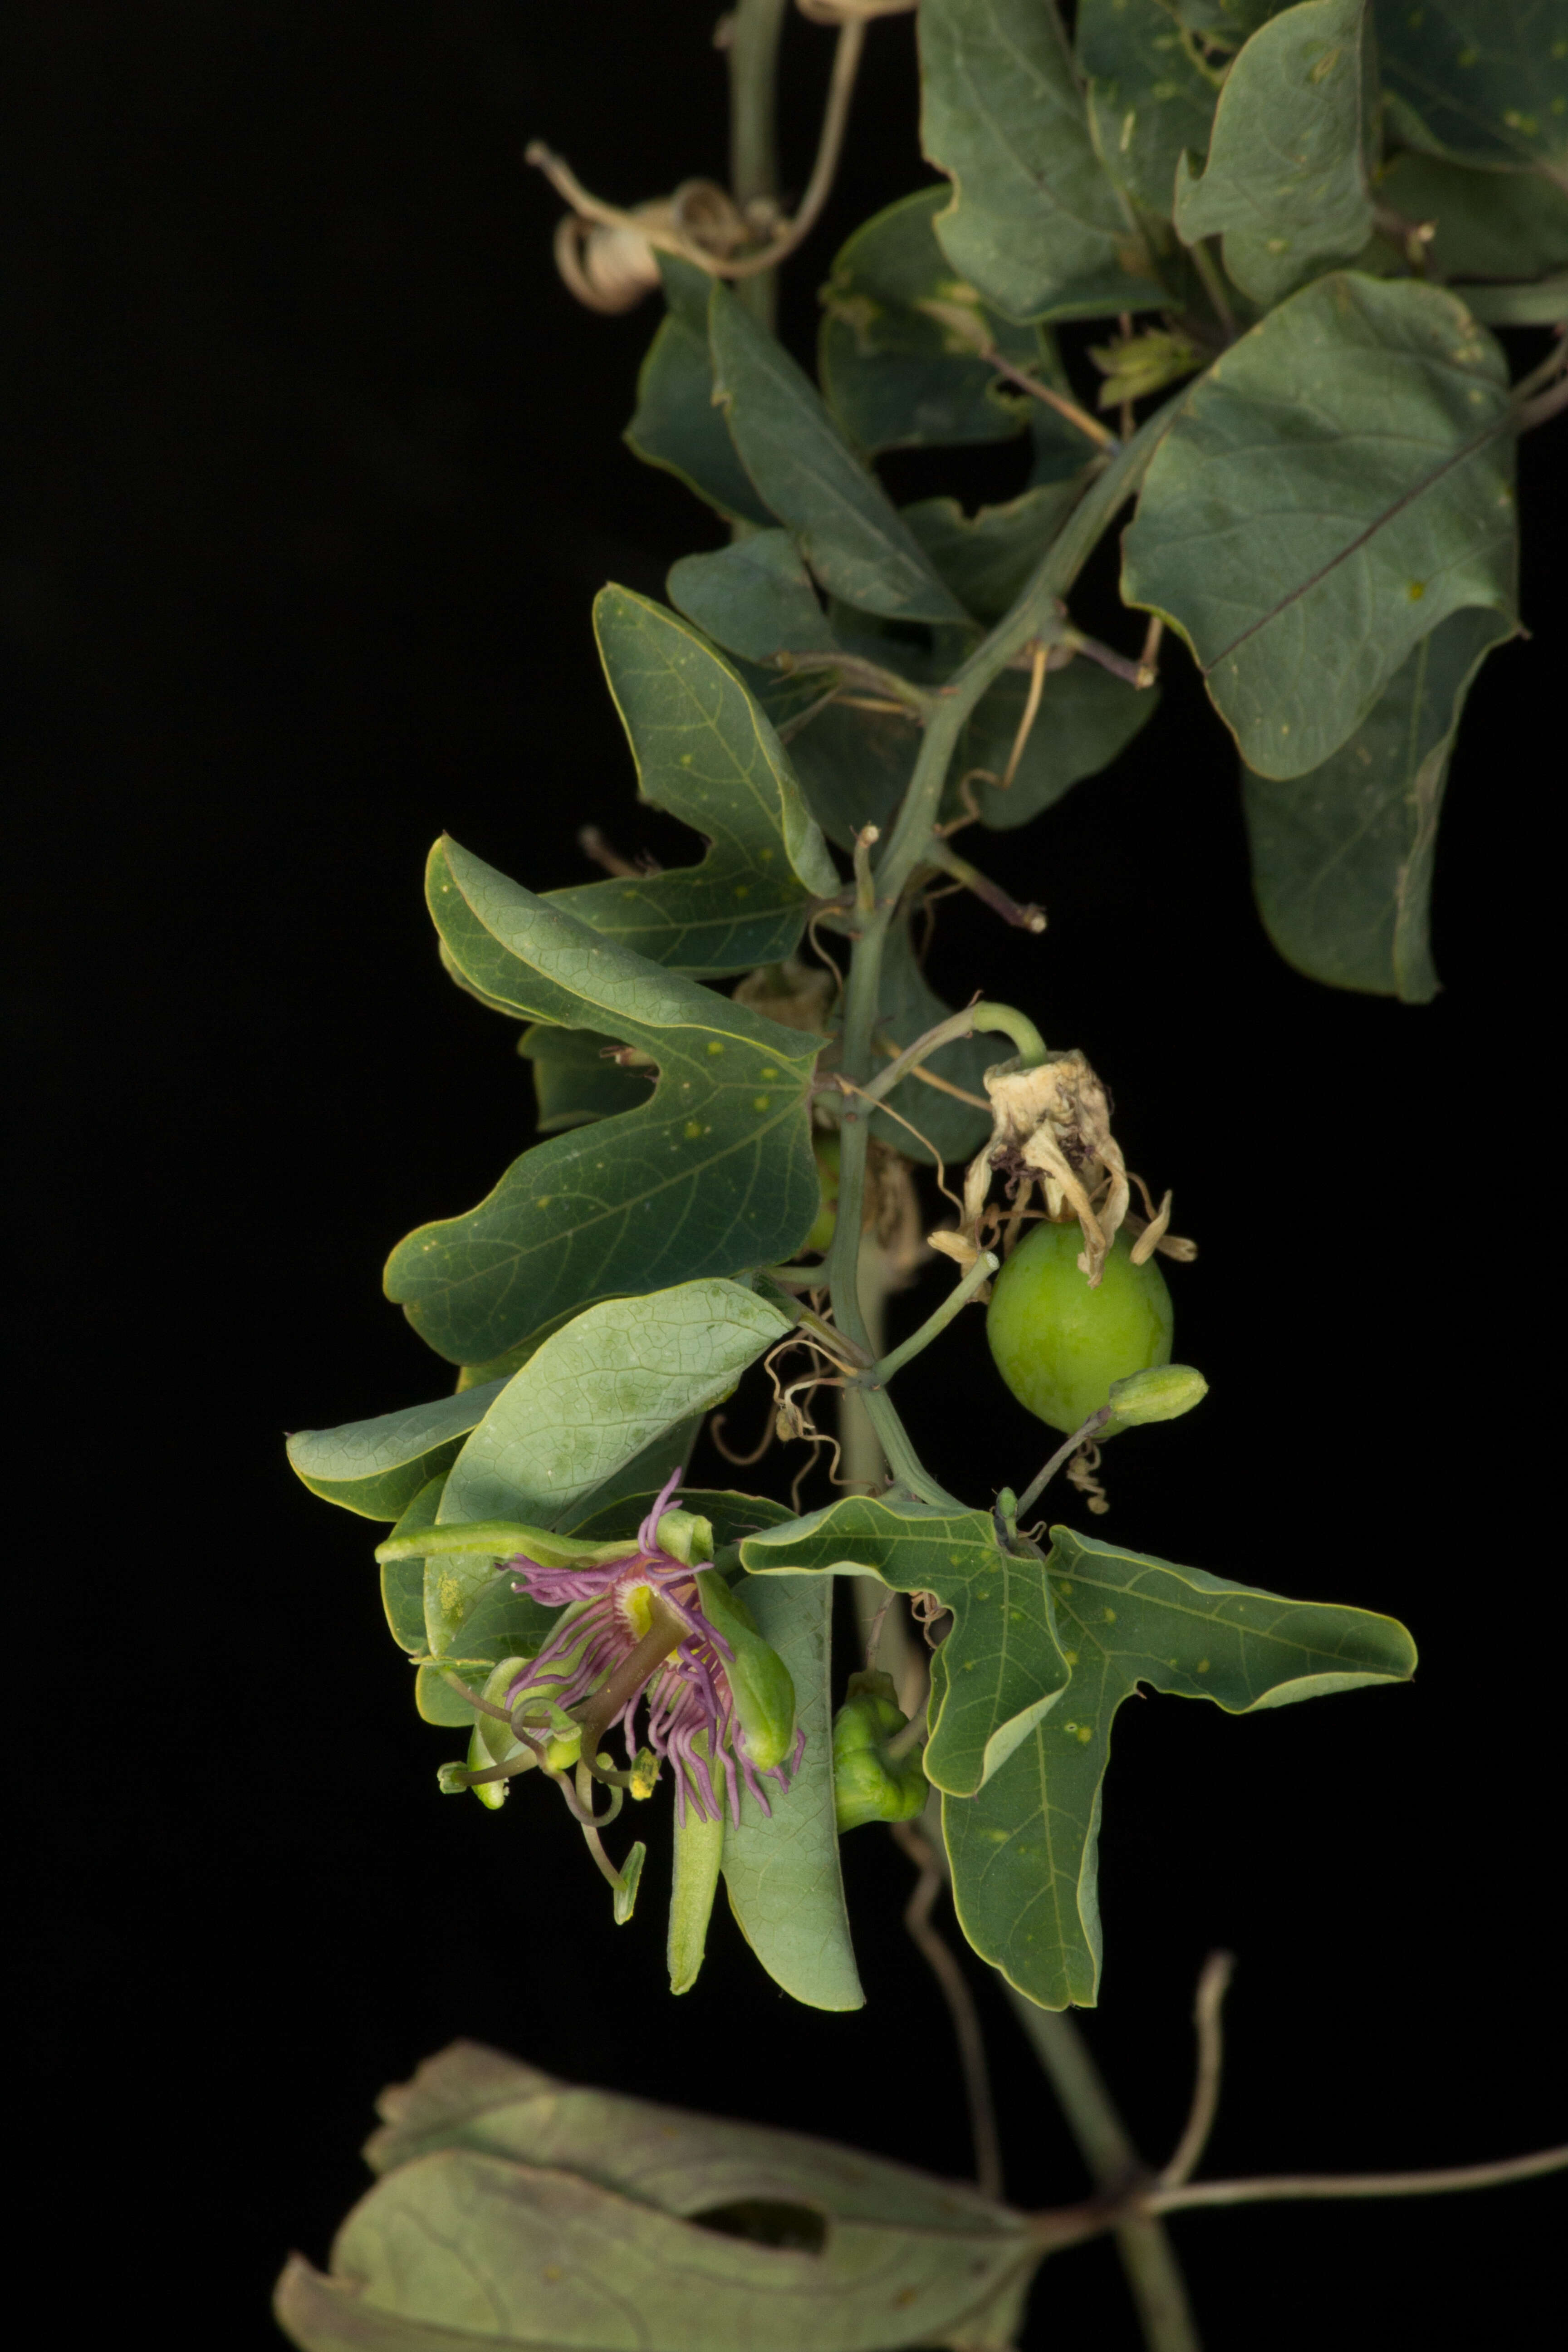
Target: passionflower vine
x,y
650,1630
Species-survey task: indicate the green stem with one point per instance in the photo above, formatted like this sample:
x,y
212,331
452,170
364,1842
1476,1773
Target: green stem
x,y
993,1020
957,1298
755,29
1153,2273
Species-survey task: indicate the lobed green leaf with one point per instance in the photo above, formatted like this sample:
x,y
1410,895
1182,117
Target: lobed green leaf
x,y
1481,81
706,753
999,1670
712,1175
1150,95
1291,150
675,426
1335,487
1034,222
1024,1851
377,1467
847,527
755,597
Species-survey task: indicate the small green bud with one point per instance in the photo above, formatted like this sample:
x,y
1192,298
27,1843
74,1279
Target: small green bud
x,y
1163,1393
452,1779
866,1785
759,1679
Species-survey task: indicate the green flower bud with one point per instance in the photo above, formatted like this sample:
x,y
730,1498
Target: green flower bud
x,y
759,1679
1161,1394
868,1786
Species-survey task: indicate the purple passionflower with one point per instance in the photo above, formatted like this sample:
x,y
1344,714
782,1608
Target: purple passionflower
x,y
691,1722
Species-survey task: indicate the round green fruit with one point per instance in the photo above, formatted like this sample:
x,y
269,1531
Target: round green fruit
x,y
1058,1344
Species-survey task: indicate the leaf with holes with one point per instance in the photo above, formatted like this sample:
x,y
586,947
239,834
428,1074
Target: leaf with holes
x,y
1290,159
1342,858
706,753
847,527
712,1175
1001,1667
1336,485
1034,222
1025,1850
506,2201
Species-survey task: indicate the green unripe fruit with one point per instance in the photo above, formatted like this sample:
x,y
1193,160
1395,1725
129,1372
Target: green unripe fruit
x,y
1058,1344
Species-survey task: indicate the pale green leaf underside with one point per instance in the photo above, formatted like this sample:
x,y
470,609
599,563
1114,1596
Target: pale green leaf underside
x,y
1002,1666
1330,490
712,1175
847,527
706,753
600,1392
1342,858
1034,222
377,1467
1024,1851
781,1871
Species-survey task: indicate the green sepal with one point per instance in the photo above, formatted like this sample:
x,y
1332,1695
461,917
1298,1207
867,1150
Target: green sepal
x,y
631,1878
869,1785
699,1851
759,1682
403,1579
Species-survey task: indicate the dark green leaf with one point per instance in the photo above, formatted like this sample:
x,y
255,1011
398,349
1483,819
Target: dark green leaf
x,y
1000,1666
896,371
1332,490
850,531
1501,225
986,559
938,1122
706,753
1484,81
1086,718
1341,857
574,1081
754,597
1024,1851
854,765
1286,178
1150,98
781,1869
377,1467
600,1394
713,1175
1034,222
675,425
513,2209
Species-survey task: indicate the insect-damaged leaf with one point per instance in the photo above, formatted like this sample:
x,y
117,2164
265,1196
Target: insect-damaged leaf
x,y
1336,485
850,531
507,2201
1341,857
1025,1850
1000,1666
707,754
1287,183
712,1175
1034,222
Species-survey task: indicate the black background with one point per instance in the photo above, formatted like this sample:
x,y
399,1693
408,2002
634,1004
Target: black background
x,y
316,469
